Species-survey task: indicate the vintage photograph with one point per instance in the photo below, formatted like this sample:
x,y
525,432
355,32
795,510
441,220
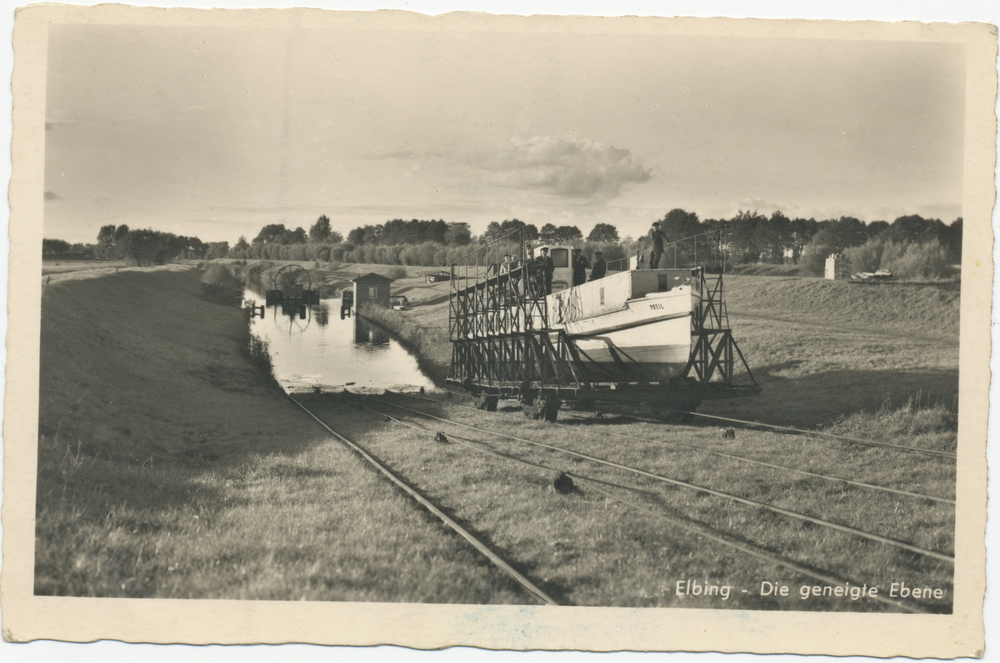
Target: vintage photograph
x,y
374,308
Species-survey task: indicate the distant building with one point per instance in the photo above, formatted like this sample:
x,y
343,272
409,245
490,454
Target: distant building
x,y
438,276
371,289
838,268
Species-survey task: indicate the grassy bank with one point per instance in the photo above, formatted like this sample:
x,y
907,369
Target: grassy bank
x,y
597,546
171,466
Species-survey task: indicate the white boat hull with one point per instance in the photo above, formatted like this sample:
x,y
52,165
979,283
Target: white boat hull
x,y
653,330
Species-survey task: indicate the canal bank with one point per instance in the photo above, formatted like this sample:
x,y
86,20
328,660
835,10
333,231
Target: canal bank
x,y
171,466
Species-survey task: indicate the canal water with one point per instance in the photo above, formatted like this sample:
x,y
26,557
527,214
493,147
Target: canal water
x,y
328,353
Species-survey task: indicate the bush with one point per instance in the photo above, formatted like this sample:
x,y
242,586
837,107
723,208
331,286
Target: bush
x,y
813,259
221,285
867,257
908,260
397,272
928,260
220,275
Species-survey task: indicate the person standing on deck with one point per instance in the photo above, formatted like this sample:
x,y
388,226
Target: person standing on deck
x,y
600,267
580,265
505,265
548,269
656,237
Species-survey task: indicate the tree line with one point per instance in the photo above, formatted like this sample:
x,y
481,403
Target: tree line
x,y
747,238
753,238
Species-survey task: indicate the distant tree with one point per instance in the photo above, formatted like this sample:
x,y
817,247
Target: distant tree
x,y
951,240
269,232
492,232
568,234
320,230
603,232
513,225
832,236
911,228
741,236
849,231
215,250
802,231
496,230
148,247
192,247
363,235
106,235
120,232
241,243
678,224
772,236
877,228
458,234
548,233
297,236
54,246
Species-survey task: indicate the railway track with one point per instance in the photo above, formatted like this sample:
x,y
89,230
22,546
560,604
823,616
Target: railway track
x,y
691,486
493,557
795,431
611,490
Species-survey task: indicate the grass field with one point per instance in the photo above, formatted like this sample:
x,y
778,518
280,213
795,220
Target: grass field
x,y
170,467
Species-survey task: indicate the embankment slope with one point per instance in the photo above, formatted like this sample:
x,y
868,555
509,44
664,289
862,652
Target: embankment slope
x,y
171,466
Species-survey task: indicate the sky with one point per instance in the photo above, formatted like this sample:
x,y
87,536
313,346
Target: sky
x,y
216,132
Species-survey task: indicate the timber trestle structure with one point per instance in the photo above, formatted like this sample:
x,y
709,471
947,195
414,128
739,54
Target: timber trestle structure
x,y
504,347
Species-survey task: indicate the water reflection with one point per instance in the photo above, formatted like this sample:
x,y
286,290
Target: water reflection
x,y
366,332
321,314
324,351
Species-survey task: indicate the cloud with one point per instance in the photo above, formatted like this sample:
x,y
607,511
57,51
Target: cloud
x,y
570,168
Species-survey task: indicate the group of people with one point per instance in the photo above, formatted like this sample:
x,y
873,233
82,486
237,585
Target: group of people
x,y
541,267
581,264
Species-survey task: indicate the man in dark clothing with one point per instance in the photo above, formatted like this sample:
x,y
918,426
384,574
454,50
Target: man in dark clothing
x,y
656,237
600,267
548,269
580,266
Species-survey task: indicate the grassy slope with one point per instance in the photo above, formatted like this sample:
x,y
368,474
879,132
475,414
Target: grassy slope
x,y
233,526
823,350
586,549
169,467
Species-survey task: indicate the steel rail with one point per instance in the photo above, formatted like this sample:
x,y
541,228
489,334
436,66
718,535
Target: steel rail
x,y
461,531
722,454
695,528
799,431
830,435
753,550
825,477
684,484
472,444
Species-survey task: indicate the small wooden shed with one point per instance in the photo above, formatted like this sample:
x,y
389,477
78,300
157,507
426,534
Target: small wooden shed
x,y
371,289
